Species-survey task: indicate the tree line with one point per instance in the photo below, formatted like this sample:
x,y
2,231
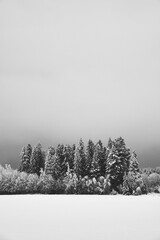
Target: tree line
x,y
113,162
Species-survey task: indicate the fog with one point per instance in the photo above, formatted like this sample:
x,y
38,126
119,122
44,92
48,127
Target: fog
x,y
79,69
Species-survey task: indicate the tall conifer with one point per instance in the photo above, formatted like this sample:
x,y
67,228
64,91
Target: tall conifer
x,y
25,159
60,168
80,160
134,165
89,156
118,162
50,161
69,156
95,165
37,160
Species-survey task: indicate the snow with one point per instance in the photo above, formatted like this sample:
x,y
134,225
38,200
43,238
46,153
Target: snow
x,y
63,217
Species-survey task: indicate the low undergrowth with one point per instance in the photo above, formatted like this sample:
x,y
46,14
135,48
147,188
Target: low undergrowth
x,y
15,182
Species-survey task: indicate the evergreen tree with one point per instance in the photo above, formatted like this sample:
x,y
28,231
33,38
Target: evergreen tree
x,y
50,161
110,143
89,157
134,166
98,166
102,158
69,155
109,147
118,162
80,160
95,165
37,160
25,159
132,179
60,167
29,151
73,154
22,160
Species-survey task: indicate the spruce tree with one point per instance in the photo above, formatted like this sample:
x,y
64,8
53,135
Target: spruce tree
x,y
95,165
69,156
89,156
98,165
134,166
80,160
109,147
102,158
132,177
37,160
73,154
118,162
22,160
50,161
25,159
77,169
60,167
110,142
29,151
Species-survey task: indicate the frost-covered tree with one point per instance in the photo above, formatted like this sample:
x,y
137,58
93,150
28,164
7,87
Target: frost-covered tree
x,y
95,165
80,160
109,147
102,158
37,160
134,165
118,162
89,156
69,155
98,165
110,142
77,159
29,151
50,161
60,167
22,160
25,159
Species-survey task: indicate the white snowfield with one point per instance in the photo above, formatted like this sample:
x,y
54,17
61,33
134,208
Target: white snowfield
x,y
64,217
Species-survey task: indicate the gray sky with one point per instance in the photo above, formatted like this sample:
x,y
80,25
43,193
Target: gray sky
x,y
71,69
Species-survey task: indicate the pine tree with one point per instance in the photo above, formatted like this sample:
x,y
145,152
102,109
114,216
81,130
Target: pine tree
x,y
37,160
73,154
60,167
98,165
25,159
102,158
69,155
22,160
130,179
89,157
50,161
29,151
80,160
95,165
109,147
118,162
134,166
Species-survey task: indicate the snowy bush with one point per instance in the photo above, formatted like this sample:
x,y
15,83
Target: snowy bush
x,y
154,182
157,170
145,181
133,184
13,181
48,185
45,183
86,185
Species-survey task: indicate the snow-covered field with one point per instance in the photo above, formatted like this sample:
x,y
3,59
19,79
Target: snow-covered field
x,y
40,217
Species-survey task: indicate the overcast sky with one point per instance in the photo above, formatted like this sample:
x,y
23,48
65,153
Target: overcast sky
x,y
72,69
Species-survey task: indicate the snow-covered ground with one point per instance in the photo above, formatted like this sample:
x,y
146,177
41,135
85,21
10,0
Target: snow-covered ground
x,y
39,217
